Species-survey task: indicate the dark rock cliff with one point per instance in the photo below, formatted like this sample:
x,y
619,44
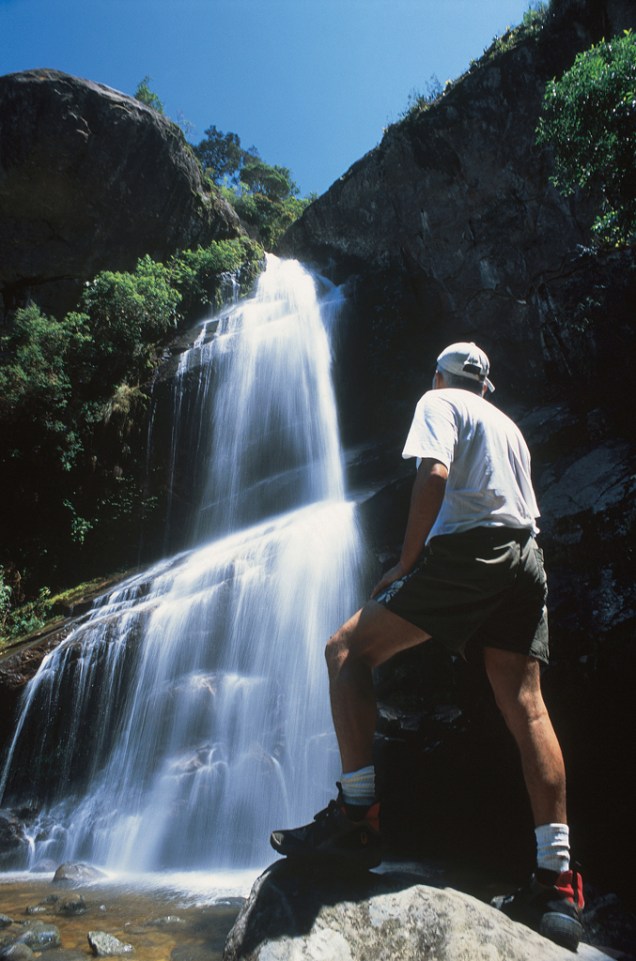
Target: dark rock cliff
x,y
450,229
91,179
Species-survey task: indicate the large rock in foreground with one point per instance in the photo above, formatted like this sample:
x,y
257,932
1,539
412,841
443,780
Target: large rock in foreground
x,y
293,915
91,179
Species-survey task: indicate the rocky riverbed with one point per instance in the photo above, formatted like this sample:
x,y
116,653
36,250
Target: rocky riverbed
x,y
148,920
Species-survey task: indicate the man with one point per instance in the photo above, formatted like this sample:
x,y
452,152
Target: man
x,y
470,574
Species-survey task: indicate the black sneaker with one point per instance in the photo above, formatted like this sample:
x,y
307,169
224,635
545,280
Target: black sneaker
x,y
334,836
550,904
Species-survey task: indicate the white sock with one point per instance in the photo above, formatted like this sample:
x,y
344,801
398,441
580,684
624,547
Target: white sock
x,y
358,787
553,847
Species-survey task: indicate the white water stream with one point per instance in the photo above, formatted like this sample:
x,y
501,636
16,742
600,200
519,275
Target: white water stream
x,y
187,715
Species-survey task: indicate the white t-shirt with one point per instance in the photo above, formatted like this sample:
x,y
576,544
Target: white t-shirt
x,y
487,459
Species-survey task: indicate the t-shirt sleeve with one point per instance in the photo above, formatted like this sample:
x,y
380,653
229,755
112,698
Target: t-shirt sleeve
x,y
433,431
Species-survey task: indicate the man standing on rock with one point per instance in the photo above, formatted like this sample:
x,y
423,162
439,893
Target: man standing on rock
x,y
470,575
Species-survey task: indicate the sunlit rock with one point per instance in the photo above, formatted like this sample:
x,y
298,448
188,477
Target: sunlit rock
x,y
301,915
105,945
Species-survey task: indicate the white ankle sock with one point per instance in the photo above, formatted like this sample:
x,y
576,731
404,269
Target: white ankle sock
x,y
358,787
553,847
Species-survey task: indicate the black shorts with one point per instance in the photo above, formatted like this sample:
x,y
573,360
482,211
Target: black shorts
x,y
485,587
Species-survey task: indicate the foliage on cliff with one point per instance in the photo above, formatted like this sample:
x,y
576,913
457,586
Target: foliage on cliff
x,y
264,196
589,117
73,392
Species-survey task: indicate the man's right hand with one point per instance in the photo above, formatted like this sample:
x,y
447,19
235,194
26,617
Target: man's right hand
x,y
393,574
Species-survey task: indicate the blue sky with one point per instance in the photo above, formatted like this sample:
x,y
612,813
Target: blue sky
x,y
310,83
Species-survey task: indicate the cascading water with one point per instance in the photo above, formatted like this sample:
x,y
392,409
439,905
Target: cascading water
x,y
187,715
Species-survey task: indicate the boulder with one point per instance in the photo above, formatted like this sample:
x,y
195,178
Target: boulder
x,y
105,945
295,914
91,179
76,872
71,907
16,952
39,936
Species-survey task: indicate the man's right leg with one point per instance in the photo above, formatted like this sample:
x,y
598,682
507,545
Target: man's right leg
x,y
372,636
348,829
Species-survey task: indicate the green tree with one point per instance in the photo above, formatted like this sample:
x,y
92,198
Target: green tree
x,y
273,182
36,384
196,274
589,117
129,313
144,94
221,155
264,196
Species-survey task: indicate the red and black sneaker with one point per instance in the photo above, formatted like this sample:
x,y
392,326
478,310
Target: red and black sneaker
x,y
550,904
334,835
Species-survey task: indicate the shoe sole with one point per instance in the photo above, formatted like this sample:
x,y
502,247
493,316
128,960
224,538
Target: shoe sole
x,y
362,861
562,929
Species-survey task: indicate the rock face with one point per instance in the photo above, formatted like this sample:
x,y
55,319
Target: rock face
x,y
293,915
91,179
450,228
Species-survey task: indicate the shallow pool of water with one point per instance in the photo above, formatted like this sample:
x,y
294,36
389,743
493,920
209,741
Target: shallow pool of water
x,y
182,917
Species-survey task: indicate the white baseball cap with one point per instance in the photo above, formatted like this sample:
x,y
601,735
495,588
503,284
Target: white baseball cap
x,y
466,360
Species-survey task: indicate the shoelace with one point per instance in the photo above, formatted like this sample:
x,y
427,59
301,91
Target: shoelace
x,y
332,809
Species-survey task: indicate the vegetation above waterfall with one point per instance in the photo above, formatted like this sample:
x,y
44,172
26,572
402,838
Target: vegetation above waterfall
x,y
265,197
72,390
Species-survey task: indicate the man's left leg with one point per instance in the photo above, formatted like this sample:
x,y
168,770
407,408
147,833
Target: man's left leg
x,y
552,901
348,829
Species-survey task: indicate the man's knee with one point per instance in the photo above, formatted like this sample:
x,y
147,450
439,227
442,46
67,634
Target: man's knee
x,y
348,647
336,650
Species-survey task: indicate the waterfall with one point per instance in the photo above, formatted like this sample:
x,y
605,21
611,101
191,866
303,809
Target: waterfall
x,y
186,716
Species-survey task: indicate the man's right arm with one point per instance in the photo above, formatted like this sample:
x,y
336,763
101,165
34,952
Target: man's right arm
x,y
426,499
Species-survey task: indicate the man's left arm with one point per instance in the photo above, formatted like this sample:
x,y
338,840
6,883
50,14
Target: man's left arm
x,y
426,499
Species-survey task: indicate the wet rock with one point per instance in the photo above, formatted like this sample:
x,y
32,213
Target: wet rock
x,y
76,872
42,906
105,945
73,906
307,914
13,841
40,935
5,921
16,952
